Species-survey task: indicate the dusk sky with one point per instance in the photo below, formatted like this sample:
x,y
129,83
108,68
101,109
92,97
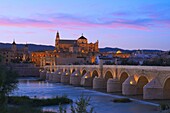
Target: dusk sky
x,y
127,24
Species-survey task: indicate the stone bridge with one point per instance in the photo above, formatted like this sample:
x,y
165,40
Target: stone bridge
x,y
150,81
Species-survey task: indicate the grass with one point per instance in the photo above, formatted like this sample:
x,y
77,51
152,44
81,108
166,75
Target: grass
x,y
122,100
164,106
23,109
35,102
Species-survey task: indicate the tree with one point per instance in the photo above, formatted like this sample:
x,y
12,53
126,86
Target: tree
x,y
0,59
8,82
81,106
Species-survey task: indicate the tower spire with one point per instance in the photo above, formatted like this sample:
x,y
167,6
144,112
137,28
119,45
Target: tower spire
x,y
13,41
57,40
57,35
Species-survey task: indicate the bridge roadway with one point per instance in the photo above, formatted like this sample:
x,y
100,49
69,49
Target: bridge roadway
x,y
151,81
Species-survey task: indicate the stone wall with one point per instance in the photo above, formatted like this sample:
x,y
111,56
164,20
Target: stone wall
x,y
26,70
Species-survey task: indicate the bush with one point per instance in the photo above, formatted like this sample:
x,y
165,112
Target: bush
x,y
122,100
24,109
8,82
81,106
24,100
164,107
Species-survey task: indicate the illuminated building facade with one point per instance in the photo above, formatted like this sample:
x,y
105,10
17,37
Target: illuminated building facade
x,y
67,52
14,54
80,45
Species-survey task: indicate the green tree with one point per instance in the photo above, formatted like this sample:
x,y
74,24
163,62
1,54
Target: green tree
x,y
8,82
82,105
0,59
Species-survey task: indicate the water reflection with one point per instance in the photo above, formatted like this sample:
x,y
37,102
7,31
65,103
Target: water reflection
x,y
100,101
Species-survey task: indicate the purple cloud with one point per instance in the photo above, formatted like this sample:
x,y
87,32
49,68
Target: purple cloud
x,y
68,21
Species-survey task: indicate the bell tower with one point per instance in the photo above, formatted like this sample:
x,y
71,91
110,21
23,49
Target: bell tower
x,y
57,40
14,46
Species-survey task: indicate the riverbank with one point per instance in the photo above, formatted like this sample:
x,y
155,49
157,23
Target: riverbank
x,y
24,109
25,104
36,102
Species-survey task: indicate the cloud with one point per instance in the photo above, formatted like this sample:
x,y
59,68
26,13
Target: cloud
x,y
23,22
16,32
68,21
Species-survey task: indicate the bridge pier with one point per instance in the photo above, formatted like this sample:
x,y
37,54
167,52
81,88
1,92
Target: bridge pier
x,y
113,85
51,76
153,90
87,80
99,83
65,77
43,74
75,78
129,86
48,74
57,76
134,85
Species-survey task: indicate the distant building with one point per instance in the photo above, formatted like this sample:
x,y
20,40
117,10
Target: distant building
x,y
112,57
67,52
14,54
118,54
140,56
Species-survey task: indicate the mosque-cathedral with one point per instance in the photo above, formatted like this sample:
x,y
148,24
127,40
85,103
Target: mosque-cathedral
x,y
67,52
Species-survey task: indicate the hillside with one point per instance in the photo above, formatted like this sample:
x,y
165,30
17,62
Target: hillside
x,y
34,47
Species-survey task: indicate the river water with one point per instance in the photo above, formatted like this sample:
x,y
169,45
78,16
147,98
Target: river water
x,y
102,102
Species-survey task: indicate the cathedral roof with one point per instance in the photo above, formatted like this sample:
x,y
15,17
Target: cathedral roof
x,y
67,41
82,37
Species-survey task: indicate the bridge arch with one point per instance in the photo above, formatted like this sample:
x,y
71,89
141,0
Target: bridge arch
x,y
108,75
73,70
95,74
83,72
123,76
166,88
65,70
141,82
53,70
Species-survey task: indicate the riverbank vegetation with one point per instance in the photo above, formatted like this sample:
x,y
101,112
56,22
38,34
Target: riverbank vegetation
x,y
164,107
26,104
82,105
122,100
8,82
24,109
35,102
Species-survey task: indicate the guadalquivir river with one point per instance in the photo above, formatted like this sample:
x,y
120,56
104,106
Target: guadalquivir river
x,y
102,102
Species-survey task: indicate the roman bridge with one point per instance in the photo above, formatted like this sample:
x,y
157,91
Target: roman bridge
x,y
153,82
